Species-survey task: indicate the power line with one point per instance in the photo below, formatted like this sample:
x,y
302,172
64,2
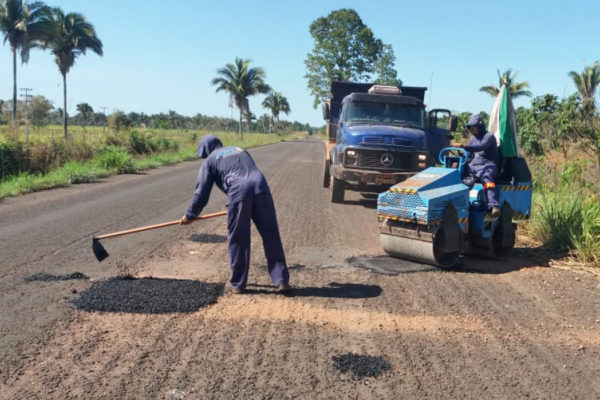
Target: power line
x,y
105,121
27,96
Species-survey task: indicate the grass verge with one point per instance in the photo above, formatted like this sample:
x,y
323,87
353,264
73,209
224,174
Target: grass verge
x,y
111,160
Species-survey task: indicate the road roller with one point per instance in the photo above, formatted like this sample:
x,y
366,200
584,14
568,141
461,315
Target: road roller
x,y
434,218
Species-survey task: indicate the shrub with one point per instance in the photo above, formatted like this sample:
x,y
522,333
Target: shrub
x,y
163,144
139,143
44,157
115,158
559,220
11,158
76,172
144,143
587,243
116,139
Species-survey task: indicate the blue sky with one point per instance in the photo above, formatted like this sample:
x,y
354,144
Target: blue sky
x,y
161,55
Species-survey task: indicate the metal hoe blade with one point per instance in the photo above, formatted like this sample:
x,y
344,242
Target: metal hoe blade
x,y
98,249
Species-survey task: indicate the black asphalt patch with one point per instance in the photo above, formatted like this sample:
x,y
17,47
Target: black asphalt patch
x,y
207,238
360,365
42,276
388,265
337,290
148,295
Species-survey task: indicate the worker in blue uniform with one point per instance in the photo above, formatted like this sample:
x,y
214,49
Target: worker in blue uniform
x,y
484,164
248,198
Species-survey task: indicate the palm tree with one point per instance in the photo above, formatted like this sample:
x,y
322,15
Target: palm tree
x,y
241,81
86,112
23,26
587,82
515,89
72,35
276,103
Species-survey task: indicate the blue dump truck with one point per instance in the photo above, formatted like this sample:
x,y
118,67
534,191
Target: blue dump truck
x,y
380,136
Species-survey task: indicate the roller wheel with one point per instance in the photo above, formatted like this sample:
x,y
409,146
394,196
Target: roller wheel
x,y
503,240
337,190
326,175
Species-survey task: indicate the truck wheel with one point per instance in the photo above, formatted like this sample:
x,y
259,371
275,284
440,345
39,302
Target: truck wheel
x,y
326,175
337,190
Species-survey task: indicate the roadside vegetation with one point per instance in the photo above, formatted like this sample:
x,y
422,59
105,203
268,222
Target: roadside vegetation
x,y
45,163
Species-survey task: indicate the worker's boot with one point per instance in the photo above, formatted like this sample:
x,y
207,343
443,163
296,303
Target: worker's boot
x,y
283,288
229,288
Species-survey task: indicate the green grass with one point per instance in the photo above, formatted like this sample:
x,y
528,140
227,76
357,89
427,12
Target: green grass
x,y
566,211
558,220
113,159
587,243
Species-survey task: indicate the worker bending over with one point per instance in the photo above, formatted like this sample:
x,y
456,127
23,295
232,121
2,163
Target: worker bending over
x,y
484,164
248,198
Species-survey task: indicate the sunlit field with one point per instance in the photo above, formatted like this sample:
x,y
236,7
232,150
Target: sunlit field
x,y
46,159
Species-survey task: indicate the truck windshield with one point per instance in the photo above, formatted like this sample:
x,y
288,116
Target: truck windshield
x,y
356,112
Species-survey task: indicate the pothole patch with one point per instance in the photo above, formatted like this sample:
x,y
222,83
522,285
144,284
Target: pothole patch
x,y
360,366
388,265
44,277
148,295
207,238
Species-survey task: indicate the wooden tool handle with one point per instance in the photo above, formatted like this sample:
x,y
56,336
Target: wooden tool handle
x,y
147,228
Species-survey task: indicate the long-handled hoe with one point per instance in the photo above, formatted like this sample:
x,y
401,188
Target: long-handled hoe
x,y
101,253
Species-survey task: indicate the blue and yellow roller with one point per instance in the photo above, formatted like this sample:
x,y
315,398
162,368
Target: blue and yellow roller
x,y
433,217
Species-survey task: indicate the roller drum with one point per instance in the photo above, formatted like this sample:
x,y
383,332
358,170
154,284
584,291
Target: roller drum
x,y
418,250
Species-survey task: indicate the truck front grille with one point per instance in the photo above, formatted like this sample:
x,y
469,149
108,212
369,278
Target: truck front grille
x,y
380,160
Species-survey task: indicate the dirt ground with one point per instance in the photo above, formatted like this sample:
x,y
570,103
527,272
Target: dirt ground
x,y
485,329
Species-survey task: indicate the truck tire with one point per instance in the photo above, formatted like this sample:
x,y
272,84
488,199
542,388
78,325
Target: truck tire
x,y
337,190
326,175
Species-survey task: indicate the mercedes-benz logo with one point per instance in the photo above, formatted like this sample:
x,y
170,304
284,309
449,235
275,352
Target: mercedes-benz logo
x,y
386,159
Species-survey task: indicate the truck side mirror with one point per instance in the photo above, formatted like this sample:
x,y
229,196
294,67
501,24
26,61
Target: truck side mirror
x,y
453,123
326,111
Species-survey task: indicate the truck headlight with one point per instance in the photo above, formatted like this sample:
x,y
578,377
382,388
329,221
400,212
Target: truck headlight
x,y
422,157
351,153
421,165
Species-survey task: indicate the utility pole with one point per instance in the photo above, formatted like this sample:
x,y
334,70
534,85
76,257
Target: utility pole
x,y
105,121
25,94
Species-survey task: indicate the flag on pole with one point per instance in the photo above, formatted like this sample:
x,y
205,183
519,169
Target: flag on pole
x,y
503,124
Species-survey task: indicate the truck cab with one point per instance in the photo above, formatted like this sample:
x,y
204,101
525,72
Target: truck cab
x,y
379,136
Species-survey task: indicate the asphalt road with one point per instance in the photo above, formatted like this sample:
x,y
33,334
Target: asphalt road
x,y
511,329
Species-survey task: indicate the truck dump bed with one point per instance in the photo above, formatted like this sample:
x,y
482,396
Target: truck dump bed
x,y
339,90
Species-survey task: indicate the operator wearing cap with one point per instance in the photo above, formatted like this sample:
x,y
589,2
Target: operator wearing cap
x,y
484,164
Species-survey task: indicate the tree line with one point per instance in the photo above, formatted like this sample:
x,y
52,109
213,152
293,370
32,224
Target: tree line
x,y
551,123
65,35
42,113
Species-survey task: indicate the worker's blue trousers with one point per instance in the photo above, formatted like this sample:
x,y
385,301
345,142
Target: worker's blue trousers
x,y
486,174
260,209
